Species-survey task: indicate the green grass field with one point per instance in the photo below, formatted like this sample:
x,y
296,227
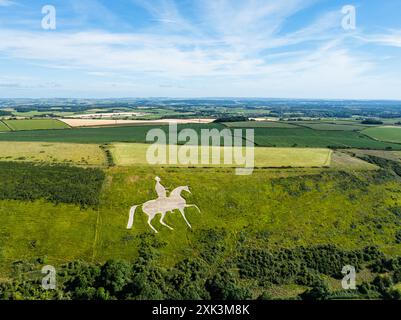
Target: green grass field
x,y
26,125
127,154
388,134
67,153
3,127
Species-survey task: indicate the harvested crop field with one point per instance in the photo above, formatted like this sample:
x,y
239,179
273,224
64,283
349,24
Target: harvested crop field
x,y
126,154
104,122
259,124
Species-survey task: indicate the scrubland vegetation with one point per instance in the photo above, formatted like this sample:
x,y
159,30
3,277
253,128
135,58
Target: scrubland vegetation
x,y
56,184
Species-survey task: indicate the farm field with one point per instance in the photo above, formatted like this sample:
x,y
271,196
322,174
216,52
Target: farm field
x,y
26,125
304,137
95,135
67,153
127,154
79,123
388,134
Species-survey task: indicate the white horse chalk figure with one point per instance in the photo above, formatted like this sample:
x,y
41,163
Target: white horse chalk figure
x,y
163,205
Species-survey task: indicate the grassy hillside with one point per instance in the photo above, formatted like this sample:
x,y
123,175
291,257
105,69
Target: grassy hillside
x,y
275,208
40,229
349,210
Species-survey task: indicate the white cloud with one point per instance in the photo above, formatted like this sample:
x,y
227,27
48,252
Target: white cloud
x,y
6,3
392,38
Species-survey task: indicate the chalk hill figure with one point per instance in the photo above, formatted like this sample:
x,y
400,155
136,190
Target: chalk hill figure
x,y
162,205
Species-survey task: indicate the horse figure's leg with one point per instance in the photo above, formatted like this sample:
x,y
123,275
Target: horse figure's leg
x,y
163,223
192,206
185,218
149,223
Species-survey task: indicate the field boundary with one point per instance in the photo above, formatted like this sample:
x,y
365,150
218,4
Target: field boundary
x,y
64,123
96,237
5,123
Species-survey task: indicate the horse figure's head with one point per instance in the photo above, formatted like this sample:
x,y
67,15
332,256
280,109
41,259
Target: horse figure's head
x,y
186,188
177,191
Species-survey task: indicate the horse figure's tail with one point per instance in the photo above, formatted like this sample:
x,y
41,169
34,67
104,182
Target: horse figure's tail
x,y
131,217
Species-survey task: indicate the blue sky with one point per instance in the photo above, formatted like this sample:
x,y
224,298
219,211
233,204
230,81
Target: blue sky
x,y
201,48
